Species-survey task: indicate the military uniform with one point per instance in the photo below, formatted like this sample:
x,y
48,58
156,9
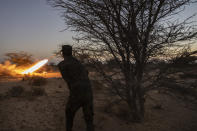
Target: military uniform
x,y
76,76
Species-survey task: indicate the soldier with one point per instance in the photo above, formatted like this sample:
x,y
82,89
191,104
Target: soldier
x,y
76,77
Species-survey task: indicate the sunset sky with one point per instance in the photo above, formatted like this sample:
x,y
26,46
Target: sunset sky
x,y
35,27
31,26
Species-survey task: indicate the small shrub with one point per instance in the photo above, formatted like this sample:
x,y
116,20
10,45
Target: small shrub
x,y
189,75
117,108
33,93
123,113
158,107
60,86
1,97
16,91
38,91
96,85
37,81
107,109
26,77
194,84
28,95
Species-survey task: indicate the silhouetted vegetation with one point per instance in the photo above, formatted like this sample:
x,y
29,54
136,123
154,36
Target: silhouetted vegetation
x,y
16,91
37,81
97,85
21,92
38,91
131,33
20,58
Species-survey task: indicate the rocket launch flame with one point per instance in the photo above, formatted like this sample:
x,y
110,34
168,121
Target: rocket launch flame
x,y
35,67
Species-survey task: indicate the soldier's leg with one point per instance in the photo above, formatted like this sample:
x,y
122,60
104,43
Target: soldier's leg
x,y
88,114
71,109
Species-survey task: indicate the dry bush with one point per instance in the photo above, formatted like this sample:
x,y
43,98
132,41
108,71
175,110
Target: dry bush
x,y
28,95
189,75
20,58
19,91
38,91
2,97
194,85
26,78
180,89
123,113
16,91
37,81
97,85
33,93
119,109
158,107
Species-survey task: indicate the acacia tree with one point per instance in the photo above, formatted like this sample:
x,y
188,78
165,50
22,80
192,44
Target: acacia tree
x,y
131,32
20,58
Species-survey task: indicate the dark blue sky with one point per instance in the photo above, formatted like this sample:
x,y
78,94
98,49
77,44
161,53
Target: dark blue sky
x,y
33,26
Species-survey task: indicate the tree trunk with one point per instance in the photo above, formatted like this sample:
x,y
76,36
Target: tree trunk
x,y
136,103
135,96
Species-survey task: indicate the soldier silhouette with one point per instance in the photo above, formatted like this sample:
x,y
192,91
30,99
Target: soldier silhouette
x,y
76,77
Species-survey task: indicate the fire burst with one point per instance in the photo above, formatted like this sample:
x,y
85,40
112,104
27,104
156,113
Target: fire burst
x,y
35,67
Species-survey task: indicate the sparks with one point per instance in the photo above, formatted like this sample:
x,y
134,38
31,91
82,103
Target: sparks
x,y
35,67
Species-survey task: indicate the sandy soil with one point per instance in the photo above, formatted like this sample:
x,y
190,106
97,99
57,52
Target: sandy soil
x,y
46,113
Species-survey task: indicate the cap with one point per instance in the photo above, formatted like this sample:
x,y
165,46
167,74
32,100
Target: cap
x,y
66,50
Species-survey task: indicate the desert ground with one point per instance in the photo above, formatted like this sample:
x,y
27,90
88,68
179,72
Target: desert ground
x,y
45,111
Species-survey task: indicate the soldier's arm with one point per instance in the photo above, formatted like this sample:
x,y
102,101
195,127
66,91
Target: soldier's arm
x,y
60,68
64,72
